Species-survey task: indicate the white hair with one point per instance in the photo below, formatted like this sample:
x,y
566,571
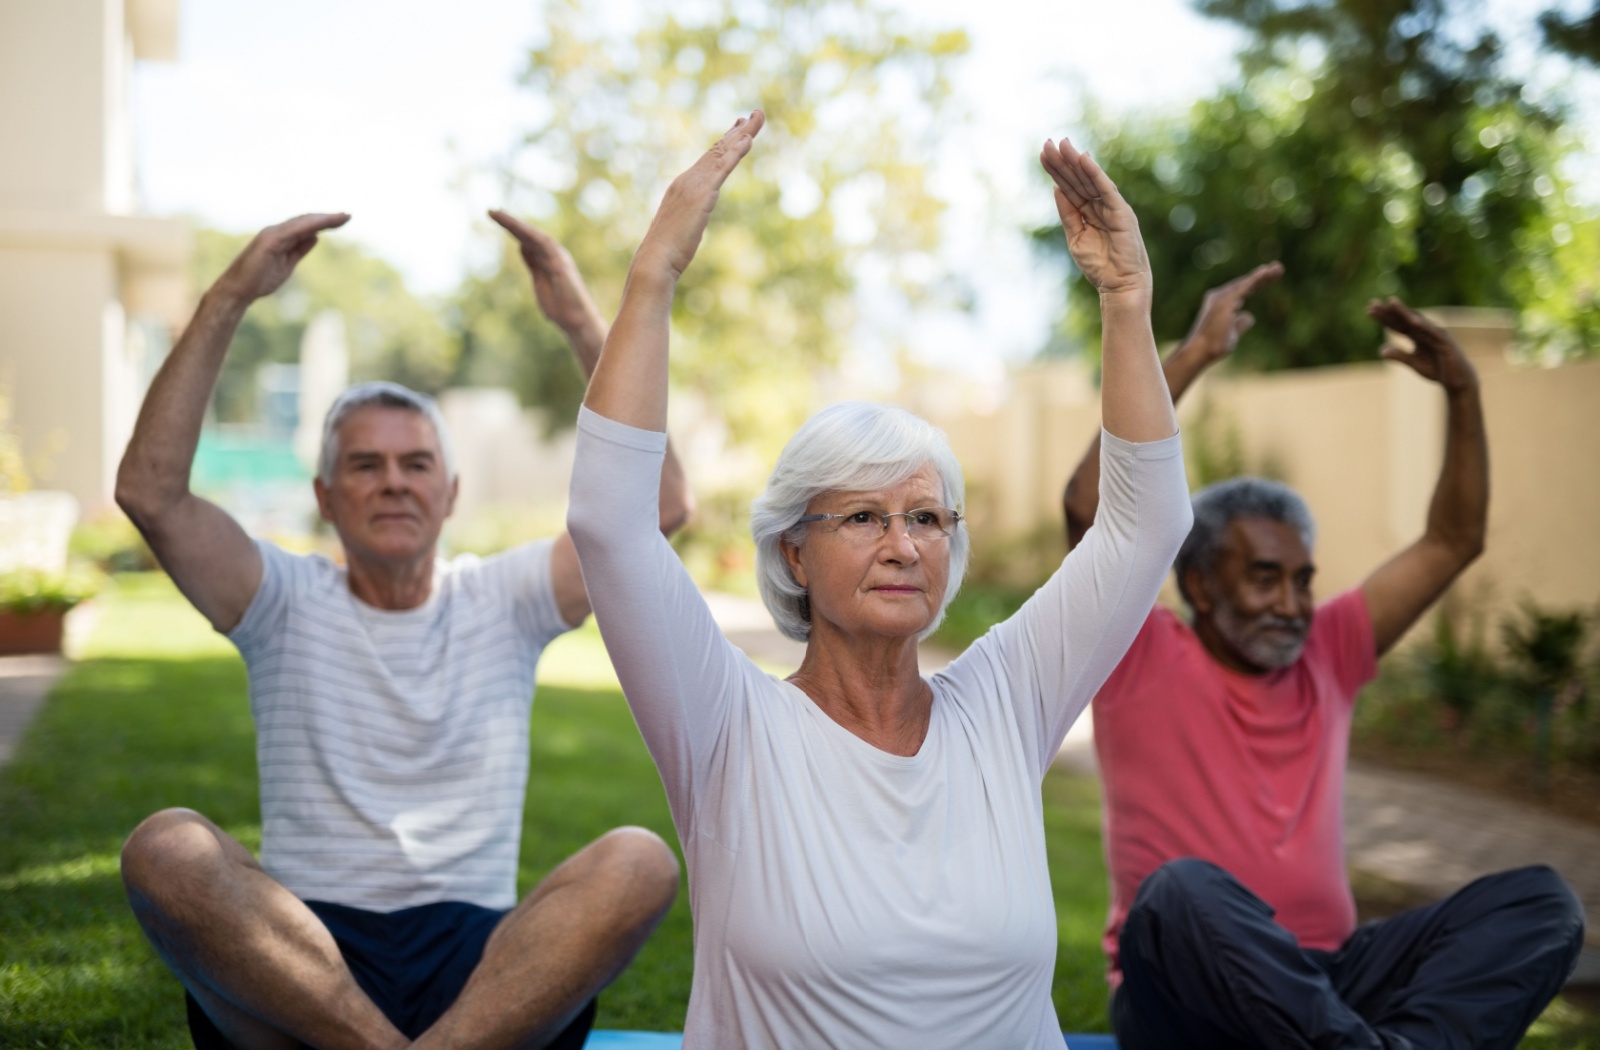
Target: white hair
x,y
382,395
848,447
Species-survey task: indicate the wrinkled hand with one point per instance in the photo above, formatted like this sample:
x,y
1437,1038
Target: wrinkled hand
x,y
674,235
1102,231
1435,356
557,284
1223,318
271,256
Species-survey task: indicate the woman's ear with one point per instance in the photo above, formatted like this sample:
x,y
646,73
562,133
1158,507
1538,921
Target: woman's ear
x,y
791,554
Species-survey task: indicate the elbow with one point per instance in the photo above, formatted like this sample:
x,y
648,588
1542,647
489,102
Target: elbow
x,y
139,496
1078,507
675,513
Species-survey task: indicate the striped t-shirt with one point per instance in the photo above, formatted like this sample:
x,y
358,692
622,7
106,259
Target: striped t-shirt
x,y
393,746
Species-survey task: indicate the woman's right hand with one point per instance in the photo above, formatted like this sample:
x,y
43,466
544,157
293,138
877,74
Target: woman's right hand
x,y
674,235
1102,231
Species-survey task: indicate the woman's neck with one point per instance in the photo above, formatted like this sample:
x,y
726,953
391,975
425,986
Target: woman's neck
x,y
870,686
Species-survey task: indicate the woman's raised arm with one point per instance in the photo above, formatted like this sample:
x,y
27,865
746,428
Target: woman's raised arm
x,y
630,382
1103,237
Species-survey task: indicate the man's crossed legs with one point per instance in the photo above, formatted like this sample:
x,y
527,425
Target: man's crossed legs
x,y
1205,966
269,975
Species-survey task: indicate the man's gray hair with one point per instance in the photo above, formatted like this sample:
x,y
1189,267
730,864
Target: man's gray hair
x,y
382,395
848,447
1217,506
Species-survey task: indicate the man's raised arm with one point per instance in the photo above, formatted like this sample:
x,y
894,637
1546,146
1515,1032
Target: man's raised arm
x,y
1402,588
1216,331
564,299
205,551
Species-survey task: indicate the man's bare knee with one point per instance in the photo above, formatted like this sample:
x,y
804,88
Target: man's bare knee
x,y
176,849
639,856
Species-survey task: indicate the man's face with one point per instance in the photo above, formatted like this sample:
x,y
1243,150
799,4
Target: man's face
x,y
390,492
1253,610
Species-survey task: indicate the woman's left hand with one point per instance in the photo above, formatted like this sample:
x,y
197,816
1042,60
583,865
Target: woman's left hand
x,y
1102,231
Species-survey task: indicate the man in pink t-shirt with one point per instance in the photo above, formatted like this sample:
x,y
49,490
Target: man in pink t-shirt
x,y
1222,744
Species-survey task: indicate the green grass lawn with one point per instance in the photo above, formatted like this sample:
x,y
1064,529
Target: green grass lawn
x,y
156,716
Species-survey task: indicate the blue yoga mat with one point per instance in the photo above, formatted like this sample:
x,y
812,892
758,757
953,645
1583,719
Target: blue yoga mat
x,y
601,1040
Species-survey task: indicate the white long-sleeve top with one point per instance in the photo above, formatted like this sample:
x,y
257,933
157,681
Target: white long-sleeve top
x,y
844,896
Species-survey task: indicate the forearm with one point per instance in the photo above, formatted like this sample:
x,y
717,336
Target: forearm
x,y
1081,498
1135,403
155,469
629,384
587,339
1458,515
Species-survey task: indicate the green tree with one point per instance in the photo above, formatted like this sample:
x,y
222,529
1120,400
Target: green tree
x,y
391,333
853,104
1377,149
1575,35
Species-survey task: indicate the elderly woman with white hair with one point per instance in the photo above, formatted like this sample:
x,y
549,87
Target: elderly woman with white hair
x,y
865,845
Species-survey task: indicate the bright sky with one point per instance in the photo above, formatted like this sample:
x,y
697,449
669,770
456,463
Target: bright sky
x,y
385,108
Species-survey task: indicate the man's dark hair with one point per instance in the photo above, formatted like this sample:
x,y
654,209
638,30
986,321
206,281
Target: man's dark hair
x,y
1216,506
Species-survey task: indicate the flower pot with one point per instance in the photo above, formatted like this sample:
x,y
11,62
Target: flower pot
x,y
32,632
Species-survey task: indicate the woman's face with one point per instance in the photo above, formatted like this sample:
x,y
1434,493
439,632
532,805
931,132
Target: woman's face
x,y
890,586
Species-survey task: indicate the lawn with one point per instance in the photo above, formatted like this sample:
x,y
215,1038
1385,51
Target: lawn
x,y
156,716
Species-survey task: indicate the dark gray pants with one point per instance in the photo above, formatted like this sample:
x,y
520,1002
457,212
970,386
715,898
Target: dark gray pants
x,y
1205,966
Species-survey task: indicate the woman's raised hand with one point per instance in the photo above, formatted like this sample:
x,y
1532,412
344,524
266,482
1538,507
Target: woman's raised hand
x,y
1102,231
674,234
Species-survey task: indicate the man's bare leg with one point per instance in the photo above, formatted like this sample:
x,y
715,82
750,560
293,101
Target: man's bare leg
x,y
573,935
259,962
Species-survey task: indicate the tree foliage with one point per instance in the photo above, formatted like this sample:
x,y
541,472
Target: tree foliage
x,y
391,333
1577,36
1377,149
853,103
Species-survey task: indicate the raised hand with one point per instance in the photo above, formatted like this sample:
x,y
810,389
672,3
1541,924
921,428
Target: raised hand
x,y
1435,355
680,221
1102,231
1223,318
557,284
271,256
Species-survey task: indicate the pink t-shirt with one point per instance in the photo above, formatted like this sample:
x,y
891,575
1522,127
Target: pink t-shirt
x,y
1244,771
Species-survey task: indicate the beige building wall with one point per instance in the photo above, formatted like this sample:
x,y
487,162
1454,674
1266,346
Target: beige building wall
x,y
1363,443
83,278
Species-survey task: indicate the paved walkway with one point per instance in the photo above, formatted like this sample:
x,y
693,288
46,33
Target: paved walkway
x,y
24,683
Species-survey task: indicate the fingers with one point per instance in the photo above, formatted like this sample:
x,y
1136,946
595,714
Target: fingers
x,y
538,247
1072,219
1259,278
1397,316
309,225
1066,168
731,148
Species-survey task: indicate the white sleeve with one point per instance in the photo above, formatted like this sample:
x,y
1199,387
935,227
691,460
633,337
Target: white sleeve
x,y
679,673
1048,660
523,572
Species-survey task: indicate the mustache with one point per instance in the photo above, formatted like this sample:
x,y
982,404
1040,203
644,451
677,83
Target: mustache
x,y
1269,621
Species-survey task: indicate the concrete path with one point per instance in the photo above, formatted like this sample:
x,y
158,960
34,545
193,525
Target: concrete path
x,y
24,683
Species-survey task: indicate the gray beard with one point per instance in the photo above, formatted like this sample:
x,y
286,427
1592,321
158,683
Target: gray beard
x,y
1255,640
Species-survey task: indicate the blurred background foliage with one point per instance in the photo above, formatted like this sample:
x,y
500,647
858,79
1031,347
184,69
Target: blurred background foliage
x,y
853,101
1376,147
391,333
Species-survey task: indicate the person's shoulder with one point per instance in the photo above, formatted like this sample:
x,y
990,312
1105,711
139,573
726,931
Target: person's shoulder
x,y
1339,617
1163,638
299,567
510,572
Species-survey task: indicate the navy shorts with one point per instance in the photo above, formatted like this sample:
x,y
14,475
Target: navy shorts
x,y
412,963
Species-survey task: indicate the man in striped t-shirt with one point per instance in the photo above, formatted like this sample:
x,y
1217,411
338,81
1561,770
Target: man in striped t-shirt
x,y
391,699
